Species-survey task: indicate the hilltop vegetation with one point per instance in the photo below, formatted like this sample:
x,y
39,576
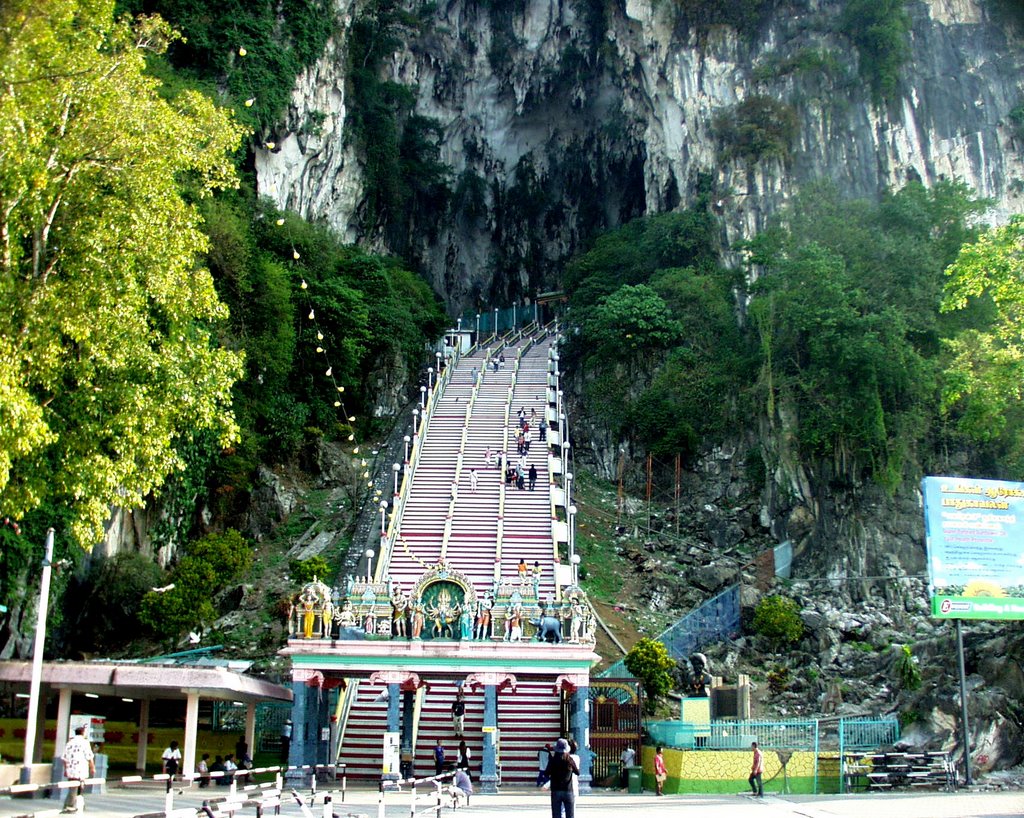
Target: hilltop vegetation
x,y
845,332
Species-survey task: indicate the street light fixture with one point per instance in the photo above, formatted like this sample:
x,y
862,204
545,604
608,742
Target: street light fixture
x,y
423,397
478,328
369,552
575,560
430,377
396,468
406,440
568,489
438,356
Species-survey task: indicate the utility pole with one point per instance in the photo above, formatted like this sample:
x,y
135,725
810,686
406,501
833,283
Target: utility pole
x,y
37,662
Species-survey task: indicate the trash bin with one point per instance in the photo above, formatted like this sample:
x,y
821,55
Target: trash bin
x,y
613,774
635,780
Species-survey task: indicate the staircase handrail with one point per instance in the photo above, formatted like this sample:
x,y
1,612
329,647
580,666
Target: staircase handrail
x,y
345,699
398,508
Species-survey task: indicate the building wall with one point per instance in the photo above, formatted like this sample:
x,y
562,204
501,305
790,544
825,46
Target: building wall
x,y
717,771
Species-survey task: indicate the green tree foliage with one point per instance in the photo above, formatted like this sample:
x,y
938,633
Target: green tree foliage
x,y
112,595
304,571
208,566
777,619
879,29
279,39
656,336
106,354
847,315
400,150
746,16
649,661
369,309
757,128
983,388
908,671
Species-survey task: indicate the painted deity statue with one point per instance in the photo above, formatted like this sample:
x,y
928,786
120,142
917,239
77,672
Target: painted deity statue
x,y
346,616
418,618
577,616
399,608
514,625
307,604
483,617
466,622
443,612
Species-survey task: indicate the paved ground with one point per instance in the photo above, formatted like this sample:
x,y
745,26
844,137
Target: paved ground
x,y
128,803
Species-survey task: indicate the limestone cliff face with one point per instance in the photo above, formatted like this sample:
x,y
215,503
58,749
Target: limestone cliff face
x,y
573,117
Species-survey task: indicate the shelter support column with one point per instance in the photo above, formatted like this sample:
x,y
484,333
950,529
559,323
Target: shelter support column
x,y
250,728
140,752
394,727
188,761
408,715
489,777
311,730
580,727
63,721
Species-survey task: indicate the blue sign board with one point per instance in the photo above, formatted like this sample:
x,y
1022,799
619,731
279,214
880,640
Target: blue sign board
x,y
974,533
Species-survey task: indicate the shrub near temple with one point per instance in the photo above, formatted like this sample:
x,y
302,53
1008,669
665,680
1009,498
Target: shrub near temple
x,y
777,619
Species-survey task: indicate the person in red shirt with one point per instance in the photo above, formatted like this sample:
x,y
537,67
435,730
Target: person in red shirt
x,y
660,774
756,771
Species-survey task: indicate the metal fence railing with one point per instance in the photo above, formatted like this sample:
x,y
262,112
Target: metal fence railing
x,y
714,620
735,735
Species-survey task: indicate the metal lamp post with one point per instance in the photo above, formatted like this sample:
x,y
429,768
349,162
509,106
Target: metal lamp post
x,y
568,489
438,356
25,776
575,560
430,377
495,322
478,328
565,463
406,441
396,468
423,397
415,422
369,552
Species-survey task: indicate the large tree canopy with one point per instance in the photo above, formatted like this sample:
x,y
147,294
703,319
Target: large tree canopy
x,y
985,375
106,355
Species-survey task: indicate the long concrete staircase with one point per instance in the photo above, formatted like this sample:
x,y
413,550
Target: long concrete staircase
x,y
484,534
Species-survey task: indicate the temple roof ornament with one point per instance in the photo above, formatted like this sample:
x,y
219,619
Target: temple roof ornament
x,y
403,678
499,680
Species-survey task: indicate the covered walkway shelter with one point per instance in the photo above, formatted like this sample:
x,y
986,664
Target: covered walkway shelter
x,y
144,683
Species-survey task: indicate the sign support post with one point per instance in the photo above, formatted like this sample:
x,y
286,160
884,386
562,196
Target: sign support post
x,y
963,702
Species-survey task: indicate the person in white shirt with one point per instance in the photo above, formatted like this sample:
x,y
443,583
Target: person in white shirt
x,y
172,759
628,759
79,764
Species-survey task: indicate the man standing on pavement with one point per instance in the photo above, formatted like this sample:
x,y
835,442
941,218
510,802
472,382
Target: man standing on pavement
x,y
756,771
627,760
79,764
660,773
561,770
